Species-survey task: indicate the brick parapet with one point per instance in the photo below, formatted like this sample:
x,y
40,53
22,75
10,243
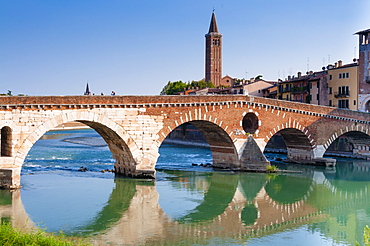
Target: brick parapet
x,y
90,102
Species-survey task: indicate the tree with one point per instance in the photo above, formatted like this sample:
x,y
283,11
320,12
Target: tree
x,y
173,87
177,86
258,77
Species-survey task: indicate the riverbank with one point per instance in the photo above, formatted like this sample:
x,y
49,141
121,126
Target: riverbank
x,y
12,236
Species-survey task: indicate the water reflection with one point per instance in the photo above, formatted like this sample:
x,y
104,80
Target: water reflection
x,y
238,206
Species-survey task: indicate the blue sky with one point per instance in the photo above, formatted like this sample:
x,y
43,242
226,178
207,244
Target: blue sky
x,y
50,47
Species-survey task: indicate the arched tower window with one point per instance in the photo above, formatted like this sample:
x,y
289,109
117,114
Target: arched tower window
x,y
6,141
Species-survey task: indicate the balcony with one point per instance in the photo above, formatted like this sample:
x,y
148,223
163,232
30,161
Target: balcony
x,y
300,90
341,95
283,90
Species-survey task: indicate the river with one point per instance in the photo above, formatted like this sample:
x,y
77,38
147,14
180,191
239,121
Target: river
x,y
186,204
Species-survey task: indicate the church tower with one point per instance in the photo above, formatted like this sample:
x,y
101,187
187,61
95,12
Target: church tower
x,y
364,70
213,53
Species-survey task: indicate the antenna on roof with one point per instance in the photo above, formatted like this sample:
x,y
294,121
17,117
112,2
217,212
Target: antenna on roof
x,y
213,10
328,59
354,52
323,61
308,64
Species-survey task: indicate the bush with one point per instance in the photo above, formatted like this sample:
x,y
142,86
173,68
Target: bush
x,y
271,168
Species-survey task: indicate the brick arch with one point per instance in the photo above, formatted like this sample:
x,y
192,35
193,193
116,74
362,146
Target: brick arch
x,y
123,147
298,139
290,124
186,118
224,153
344,130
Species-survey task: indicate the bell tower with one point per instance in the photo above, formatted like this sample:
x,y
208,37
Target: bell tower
x,y
213,53
364,70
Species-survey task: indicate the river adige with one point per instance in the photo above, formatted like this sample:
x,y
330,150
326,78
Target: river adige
x,y
186,204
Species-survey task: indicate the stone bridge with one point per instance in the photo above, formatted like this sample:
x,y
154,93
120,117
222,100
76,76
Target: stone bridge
x,y
237,128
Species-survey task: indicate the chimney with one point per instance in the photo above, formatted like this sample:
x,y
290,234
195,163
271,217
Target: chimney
x,y
340,63
289,77
336,64
299,74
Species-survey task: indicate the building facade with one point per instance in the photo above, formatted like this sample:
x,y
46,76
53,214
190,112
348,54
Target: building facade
x,y
213,60
343,85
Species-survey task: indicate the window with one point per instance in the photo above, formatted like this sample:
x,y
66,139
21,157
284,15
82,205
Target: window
x,y
343,90
330,90
330,103
330,77
354,102
343,75
343,103
317,97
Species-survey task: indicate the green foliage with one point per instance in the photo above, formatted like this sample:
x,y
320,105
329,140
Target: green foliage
x,y
258,77
9,93
367,235
10,236
172,88
271,168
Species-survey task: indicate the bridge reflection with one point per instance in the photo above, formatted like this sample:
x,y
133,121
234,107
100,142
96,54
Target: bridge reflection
x,y
238,206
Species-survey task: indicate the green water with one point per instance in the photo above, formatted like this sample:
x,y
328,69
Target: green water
x,y
188,205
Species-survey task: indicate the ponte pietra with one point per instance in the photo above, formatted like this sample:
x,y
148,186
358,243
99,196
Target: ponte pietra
x,y
237,128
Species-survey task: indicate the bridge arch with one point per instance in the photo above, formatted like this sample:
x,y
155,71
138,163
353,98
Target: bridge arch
x,y
358,138
298,142
365,104
123,148
224,153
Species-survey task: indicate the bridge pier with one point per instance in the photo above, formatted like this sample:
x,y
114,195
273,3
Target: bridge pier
x,y
143,167
299,155
10,178
361,151
224,157
309,156
251,155
131,171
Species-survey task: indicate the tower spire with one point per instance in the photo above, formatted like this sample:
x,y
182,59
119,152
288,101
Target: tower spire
x,y
213,26
87,91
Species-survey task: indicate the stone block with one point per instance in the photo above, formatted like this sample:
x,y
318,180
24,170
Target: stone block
x,y
10,178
